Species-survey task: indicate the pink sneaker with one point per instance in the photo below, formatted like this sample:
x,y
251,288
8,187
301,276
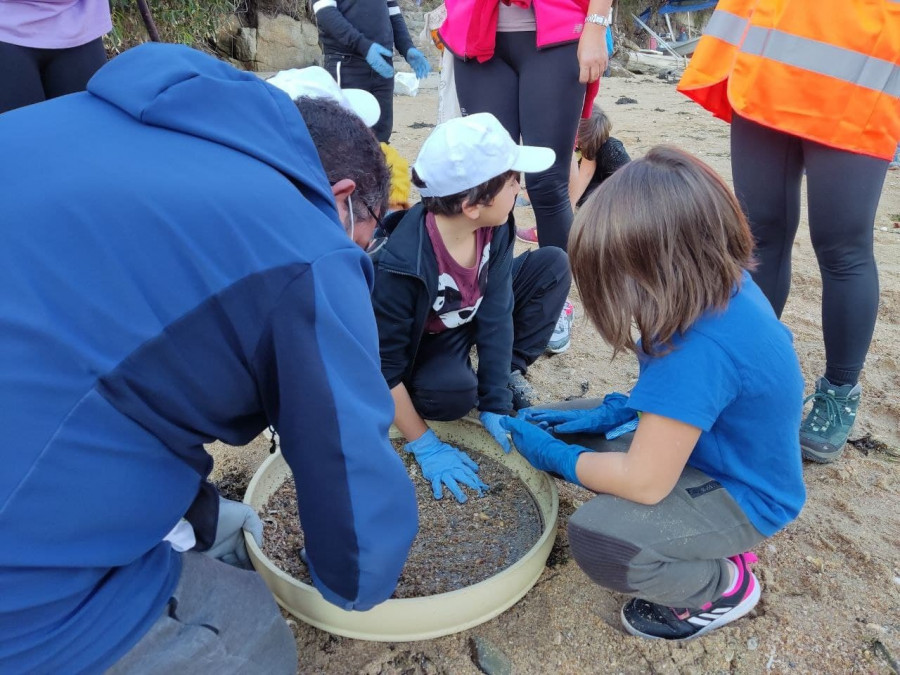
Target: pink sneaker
x,y
527,234
650,620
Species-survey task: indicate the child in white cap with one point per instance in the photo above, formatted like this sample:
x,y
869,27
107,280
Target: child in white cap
x,y
446,280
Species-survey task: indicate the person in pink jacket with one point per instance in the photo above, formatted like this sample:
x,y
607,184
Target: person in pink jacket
x,y
528,63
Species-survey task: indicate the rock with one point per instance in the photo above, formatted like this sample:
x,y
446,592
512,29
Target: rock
x,y
752,644
282,42
625,100
225,34
244,45
616,69
488,657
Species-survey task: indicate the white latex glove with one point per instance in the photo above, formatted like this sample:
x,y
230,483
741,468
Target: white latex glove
x,y
229,546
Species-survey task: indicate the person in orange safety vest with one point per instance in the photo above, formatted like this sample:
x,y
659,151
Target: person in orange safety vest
x,y
811,87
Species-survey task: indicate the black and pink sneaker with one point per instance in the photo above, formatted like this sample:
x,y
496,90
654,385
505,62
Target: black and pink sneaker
x,y
649,620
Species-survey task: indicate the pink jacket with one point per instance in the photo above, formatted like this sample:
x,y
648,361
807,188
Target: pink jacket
x,y
470,29
471,25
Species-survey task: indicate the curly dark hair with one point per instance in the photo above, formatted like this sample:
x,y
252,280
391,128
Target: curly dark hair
x,y
451,205
348,149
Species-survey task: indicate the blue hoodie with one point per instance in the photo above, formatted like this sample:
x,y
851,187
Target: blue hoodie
x,y
172,271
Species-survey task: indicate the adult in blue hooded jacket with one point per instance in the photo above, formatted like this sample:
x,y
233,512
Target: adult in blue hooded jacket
x,y
173,270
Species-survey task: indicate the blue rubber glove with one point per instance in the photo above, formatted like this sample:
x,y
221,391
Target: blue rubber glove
x,y
543,451
443,464
491,422
607,416
380,59
418,62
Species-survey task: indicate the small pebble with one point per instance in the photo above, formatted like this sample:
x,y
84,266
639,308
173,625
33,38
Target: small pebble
x,y
752,644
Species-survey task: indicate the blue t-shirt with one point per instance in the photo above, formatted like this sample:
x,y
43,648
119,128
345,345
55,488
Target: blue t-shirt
x,y
734,375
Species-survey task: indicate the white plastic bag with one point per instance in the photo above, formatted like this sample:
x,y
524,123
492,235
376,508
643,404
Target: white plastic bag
x,y
406,84
448,103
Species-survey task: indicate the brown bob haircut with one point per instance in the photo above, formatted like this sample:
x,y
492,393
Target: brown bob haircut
x,y
452,205
593,132
659,243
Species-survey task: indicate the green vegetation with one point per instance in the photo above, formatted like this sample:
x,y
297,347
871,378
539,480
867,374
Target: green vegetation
x,y
191,22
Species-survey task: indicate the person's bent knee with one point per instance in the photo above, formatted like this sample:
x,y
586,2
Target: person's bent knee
x,y
444,406
605,559
554,262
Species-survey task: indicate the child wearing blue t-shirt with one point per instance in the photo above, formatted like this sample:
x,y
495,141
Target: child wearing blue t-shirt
x,y
714,465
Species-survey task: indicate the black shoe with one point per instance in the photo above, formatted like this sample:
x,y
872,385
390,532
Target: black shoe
x,y
523,393
649,620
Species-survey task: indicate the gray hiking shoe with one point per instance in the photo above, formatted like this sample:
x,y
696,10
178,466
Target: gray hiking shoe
x,y
825,430
523,393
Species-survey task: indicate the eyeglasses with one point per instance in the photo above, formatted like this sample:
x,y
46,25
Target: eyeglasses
x,y
379,234
378,224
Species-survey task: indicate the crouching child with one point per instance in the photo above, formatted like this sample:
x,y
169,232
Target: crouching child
x,y
714,465
446,280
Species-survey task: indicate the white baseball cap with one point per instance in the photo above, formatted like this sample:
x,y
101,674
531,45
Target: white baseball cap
x,y
315,82
465,152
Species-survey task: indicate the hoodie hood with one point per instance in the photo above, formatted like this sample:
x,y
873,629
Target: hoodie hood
x,y
179,88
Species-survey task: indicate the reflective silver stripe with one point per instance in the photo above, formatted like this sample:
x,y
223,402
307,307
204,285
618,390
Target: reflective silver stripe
x,y
727,27
396,10
322,4
824,59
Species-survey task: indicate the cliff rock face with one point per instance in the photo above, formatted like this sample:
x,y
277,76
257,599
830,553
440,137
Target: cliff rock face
x,y
282,42
278,42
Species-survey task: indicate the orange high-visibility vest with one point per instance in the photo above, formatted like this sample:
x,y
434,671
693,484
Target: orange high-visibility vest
x,y
825,70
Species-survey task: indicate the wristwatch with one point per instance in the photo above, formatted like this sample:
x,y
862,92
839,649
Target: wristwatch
x,y
598,19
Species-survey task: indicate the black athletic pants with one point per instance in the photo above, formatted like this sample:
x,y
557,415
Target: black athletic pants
x,y
29,75
353,72
444,385
843,192
536,96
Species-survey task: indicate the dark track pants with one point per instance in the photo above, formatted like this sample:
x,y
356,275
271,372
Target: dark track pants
x,y
444,385
29,75
672,553
843,192
353,72
536,96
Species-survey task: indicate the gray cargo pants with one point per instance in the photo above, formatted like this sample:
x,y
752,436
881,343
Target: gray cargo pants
x,y
220,619
671,553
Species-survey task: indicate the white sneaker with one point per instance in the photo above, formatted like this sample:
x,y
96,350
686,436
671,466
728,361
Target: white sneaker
x,y
562,333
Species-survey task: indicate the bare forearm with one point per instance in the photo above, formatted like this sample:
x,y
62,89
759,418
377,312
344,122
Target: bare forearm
x,y
601,7
612,473
649,470
406,419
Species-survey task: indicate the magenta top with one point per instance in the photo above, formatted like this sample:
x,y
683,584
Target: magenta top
x,y
53,24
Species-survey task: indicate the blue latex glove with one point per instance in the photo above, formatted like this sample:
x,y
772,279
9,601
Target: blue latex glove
x,y
491,422
380,59
443,464
418,62
607,416
543,451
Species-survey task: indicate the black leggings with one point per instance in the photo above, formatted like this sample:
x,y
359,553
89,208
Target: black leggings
x,y
443,385
843,192
536,96
30,75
